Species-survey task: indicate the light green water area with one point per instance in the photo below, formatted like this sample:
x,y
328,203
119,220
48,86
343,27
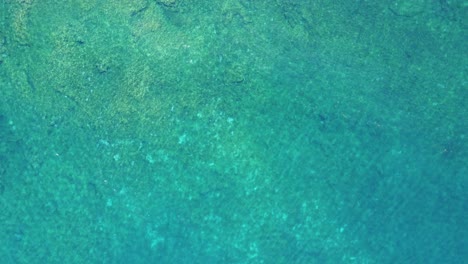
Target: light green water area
x,y
233,131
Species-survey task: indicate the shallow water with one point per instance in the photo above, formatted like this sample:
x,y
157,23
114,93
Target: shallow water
x,y
178,131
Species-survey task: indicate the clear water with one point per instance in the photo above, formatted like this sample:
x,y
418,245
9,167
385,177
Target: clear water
x,y
183,131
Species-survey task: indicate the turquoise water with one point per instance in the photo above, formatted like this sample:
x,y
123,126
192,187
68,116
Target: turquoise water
x,y
182,131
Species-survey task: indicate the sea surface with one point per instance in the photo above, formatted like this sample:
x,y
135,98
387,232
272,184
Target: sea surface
x,y
233,131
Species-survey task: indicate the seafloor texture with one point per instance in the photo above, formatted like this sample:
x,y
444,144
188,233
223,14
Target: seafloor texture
x,y
190,131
